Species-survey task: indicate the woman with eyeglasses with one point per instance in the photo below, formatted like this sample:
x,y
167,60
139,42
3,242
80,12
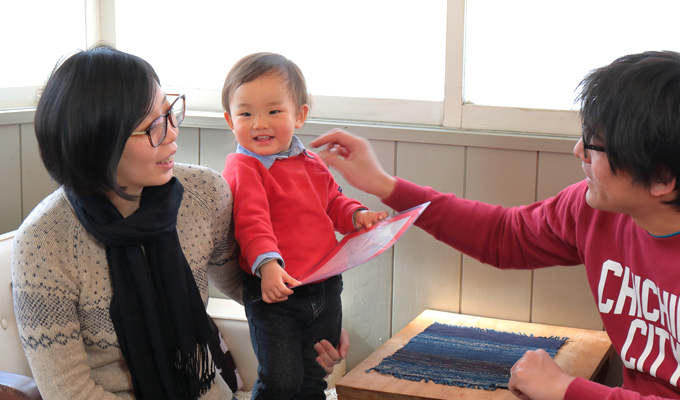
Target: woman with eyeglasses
x,y
110,272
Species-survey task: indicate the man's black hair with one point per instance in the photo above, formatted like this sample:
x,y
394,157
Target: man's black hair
x,y
633,107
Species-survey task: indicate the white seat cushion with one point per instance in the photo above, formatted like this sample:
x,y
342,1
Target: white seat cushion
x,y
13,358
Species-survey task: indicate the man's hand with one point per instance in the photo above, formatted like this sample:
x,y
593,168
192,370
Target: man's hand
x,y
536,376
354,158
274,280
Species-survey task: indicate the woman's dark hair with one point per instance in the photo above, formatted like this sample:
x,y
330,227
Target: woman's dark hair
x,y
91,103
633,107
256,65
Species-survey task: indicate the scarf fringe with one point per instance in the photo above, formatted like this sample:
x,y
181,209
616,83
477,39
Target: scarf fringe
x,y
195,372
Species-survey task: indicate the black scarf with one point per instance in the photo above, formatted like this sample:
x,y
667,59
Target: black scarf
x,y
156,309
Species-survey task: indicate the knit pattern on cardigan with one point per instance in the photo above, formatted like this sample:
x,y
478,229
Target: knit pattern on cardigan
x,y
62,288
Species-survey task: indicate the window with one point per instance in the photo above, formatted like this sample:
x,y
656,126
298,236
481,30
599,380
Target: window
x,y
534,53
378,49
471,64
35,37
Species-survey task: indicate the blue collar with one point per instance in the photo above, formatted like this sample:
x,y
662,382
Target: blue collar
x,y
296,148
665,236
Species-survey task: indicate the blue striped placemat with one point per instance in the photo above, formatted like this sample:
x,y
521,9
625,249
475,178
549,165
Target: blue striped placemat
x,y
463,356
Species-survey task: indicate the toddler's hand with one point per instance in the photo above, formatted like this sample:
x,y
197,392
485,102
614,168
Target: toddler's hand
x,y
366,218
274,280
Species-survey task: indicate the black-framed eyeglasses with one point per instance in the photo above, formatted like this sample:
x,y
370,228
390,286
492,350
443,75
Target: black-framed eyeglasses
x,y
587,146
158,129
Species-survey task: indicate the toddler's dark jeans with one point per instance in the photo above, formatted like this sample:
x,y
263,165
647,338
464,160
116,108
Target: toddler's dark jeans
x,y
283,336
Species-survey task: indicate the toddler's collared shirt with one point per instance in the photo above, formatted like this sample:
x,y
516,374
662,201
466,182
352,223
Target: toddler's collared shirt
x,y
296,148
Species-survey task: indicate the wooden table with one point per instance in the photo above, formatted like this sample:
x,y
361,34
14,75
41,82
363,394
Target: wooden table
x,y
586,354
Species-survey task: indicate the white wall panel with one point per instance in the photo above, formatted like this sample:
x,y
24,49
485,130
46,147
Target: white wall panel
x,y
215,144
426,271
187,146
10,179
36,183
507,178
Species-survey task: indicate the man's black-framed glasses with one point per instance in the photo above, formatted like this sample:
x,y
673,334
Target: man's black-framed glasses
x,y
587,146
158,129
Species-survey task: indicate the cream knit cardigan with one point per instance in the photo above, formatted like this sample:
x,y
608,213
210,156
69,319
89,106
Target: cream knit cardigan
x,y
62,288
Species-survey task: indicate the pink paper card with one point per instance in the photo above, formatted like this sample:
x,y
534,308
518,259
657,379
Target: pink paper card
x,y
360,246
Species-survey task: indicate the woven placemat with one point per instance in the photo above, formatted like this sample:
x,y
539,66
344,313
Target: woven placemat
x,y
463,356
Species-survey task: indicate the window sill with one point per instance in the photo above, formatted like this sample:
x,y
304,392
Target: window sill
x,y
558,143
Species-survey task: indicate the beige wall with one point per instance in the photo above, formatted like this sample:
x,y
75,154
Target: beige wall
x,y
382,296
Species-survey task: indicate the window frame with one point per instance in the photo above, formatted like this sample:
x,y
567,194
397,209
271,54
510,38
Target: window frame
x,y
452,113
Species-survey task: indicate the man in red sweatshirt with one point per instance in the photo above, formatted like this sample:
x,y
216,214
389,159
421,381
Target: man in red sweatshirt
x,y
622,222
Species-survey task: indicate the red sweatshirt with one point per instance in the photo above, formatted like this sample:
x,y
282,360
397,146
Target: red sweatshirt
x,y
293,208
634,276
